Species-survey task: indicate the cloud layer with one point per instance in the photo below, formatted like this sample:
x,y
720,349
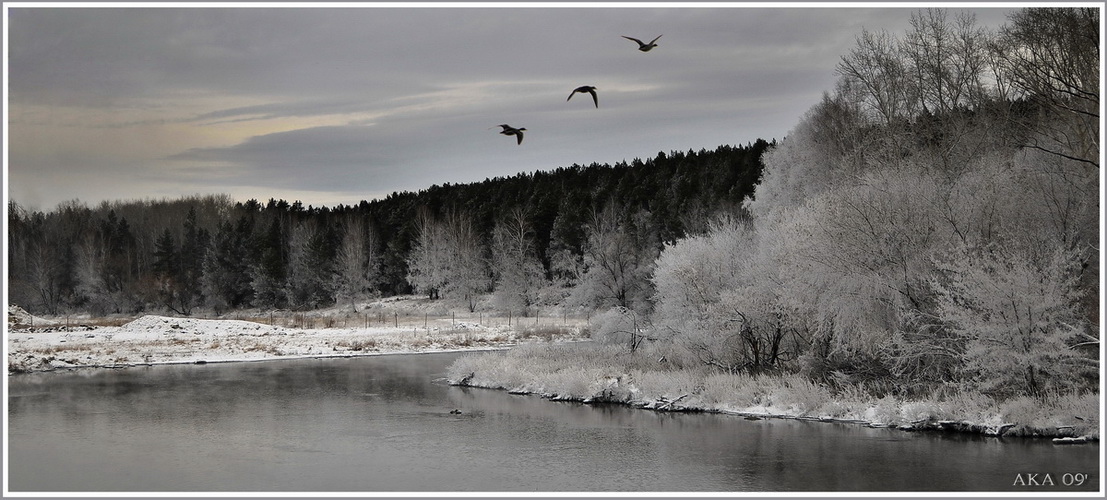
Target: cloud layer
x,y
334,105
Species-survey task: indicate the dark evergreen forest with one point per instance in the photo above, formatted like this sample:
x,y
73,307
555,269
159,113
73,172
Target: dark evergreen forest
x,y
208,252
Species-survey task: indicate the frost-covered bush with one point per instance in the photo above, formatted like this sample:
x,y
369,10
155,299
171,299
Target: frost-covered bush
x,y
618,258
616,326
1069,413
854,260
715,300
965,405
914,411
799,395
732,391
566,383
885,410
1015,314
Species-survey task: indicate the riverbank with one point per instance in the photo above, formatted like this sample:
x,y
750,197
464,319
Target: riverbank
x,y
547,364
153,339
610,374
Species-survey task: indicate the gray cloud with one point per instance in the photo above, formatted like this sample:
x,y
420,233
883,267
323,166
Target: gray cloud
x,y
370,100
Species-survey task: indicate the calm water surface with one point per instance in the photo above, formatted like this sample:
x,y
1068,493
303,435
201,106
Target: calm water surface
x,y
383,424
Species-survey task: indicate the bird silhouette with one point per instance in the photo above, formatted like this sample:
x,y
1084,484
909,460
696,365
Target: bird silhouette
x,y
589,89
517,132
644,47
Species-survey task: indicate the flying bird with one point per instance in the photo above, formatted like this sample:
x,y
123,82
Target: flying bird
x,y
587,88
517,132
644,47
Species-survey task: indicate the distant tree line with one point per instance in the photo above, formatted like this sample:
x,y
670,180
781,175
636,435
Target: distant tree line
x,y
588,234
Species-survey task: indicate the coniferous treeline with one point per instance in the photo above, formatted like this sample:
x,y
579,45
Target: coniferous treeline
x,y
214,253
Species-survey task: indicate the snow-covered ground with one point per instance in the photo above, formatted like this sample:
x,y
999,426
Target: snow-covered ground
x,y
153,339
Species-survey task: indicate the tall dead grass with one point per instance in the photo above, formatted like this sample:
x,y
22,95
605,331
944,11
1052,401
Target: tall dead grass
x,y
589,372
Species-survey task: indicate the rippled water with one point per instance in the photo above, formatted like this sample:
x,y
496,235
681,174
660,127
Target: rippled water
x,y
383,424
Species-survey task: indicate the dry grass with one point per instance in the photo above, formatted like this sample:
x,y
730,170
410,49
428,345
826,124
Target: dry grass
x,y
544,333
357,345
610,373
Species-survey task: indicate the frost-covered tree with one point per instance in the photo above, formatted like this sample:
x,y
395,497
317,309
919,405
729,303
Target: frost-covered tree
x,y
356,261
717,301
618,260
690,279
518,274
1014,314
427,261
89,276
467,273
813,159
448,258
619,326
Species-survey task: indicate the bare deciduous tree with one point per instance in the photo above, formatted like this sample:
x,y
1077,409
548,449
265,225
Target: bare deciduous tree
x,y
518,274
1052,56
356,262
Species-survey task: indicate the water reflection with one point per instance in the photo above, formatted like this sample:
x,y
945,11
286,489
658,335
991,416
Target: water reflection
x,y
381,424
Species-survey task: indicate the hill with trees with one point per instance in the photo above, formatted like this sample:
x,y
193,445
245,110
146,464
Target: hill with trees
x,y
532,238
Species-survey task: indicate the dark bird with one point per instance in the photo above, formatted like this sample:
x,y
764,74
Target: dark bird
x,y
455,412
517,132
589,89
644,47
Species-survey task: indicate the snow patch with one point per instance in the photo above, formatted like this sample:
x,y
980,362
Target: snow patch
x,y
18,317
154,339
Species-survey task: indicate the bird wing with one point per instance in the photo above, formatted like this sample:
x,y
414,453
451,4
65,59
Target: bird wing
x,y
570,95
655,39
506,127
519,136
635,39
594,98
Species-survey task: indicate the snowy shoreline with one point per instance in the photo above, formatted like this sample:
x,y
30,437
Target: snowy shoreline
x,y
1059,435
591,376
159,340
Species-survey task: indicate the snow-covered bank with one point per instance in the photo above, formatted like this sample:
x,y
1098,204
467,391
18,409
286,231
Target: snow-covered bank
x,y
608,374
162,340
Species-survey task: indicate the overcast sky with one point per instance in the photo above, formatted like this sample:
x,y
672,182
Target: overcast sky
x,y
337,105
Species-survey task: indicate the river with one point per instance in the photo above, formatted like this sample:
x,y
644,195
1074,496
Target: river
x,y
384,424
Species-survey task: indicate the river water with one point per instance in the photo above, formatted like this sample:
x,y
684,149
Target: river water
x,y
383,424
